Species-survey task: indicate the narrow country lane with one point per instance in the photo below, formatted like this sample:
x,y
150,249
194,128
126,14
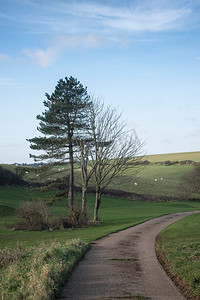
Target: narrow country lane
x,y
124,264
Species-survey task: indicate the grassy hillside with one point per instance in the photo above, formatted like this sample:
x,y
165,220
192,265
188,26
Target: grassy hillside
x,y
154,178
195,156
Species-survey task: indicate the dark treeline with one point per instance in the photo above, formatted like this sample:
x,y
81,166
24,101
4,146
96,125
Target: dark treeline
x,y
9,178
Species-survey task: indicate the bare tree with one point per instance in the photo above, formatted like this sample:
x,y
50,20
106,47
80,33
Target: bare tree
x,y
113,149
84,147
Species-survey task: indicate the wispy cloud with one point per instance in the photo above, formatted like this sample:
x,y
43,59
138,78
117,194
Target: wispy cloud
x,y
47,57
4,57
92,24
77,16
157,21
8,82
138,18
44,58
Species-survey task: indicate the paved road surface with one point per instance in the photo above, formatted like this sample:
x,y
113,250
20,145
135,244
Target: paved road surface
x,y
124,264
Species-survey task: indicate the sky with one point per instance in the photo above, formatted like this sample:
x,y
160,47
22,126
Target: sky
x,y
141,56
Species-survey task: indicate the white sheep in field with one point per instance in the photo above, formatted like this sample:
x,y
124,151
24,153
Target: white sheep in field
x,y
156,179
135,183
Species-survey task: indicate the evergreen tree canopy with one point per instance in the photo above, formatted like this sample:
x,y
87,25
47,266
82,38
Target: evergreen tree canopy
x,y
63,121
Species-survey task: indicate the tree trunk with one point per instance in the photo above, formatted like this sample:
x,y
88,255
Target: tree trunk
x,y
97,205
71,180
84,199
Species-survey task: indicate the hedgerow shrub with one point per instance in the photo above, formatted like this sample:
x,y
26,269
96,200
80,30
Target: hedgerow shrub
x,y
78,218
34,216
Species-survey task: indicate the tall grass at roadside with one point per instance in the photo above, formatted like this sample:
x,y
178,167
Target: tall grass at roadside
x,y
37,273
178,249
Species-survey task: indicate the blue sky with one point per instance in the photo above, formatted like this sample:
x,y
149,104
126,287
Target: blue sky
x,y
142,56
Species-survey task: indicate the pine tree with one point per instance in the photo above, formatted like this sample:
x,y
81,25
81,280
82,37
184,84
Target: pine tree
x,y
63,122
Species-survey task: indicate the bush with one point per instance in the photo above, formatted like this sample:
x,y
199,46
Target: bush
x,y
59,223
77,220
35,215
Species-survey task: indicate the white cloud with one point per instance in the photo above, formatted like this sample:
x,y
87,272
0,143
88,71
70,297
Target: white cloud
x,y
138,18
142,17
44,58
149,21
89,41
69,17
47,57
4,57
92,25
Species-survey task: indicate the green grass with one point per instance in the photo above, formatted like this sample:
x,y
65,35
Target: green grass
x,y
148,178
181,245
115,214
169,185
145,179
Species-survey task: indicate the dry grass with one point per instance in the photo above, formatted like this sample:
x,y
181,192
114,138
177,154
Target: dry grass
x,y
195,156
37,273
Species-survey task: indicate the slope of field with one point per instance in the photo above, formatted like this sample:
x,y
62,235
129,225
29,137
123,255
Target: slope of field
x,y
195,156
154,179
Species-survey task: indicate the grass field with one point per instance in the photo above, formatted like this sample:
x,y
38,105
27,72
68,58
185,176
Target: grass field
x,y
148,179
157,179
115,214
180,245
153,179
180,241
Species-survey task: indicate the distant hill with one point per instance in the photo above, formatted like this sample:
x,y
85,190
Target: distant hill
x,y
194,156
9,178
